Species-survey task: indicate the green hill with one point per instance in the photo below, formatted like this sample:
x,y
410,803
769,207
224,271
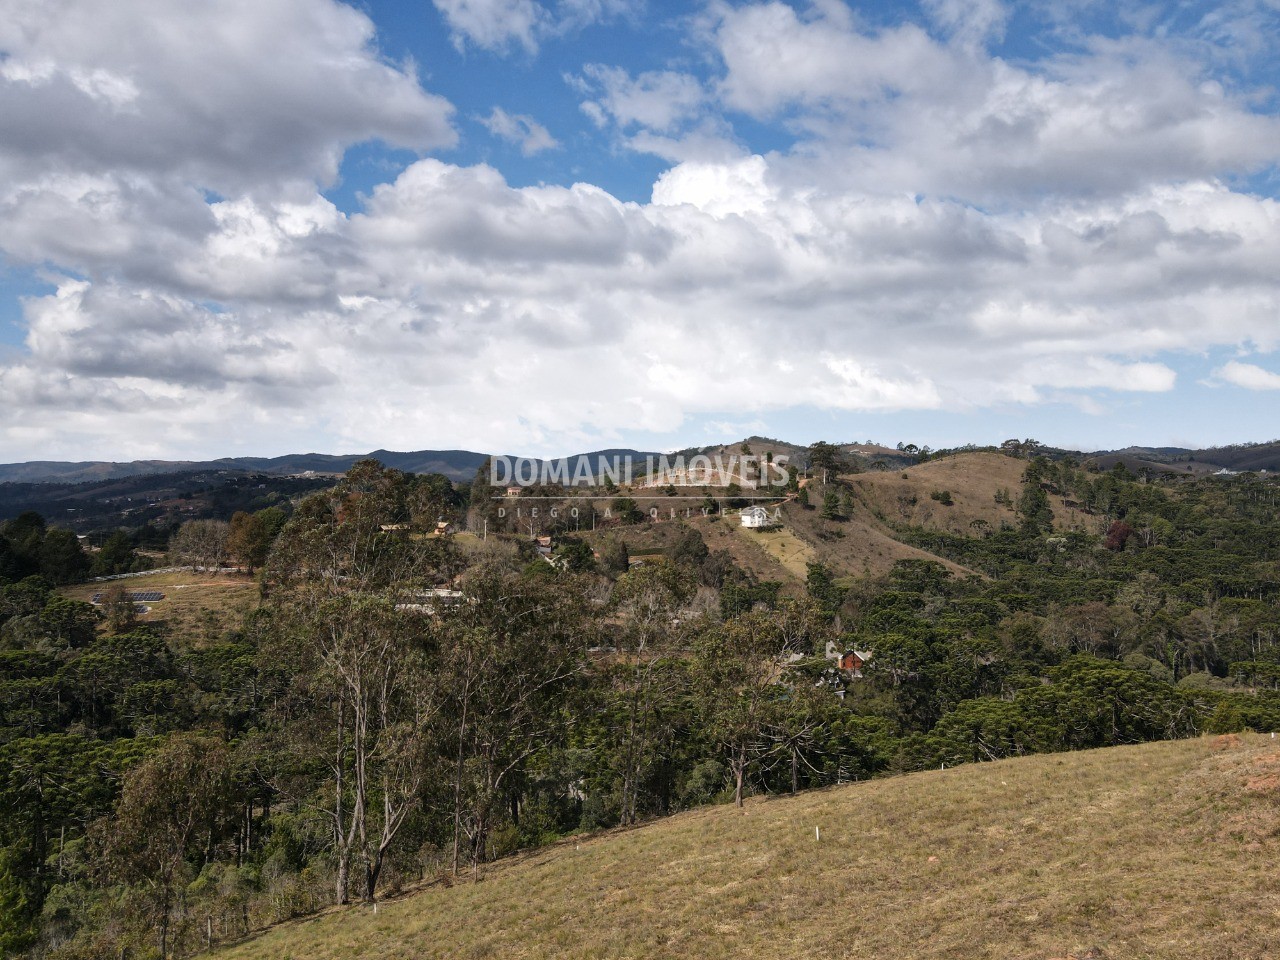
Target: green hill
x,y
1158,850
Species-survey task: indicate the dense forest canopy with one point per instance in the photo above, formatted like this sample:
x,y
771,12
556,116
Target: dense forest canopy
x,y
401,702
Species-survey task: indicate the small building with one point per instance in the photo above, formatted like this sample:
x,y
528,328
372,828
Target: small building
x,y
443,528
852,661
545,546
393,527
431,601
756,518
847,660
514,491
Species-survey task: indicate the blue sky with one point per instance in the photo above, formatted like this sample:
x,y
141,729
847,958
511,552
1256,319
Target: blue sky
x,y
543,226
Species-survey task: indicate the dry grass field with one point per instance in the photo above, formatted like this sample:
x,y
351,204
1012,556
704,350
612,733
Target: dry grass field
x,y
1165,850
196,607
748,549
860,546
972,479
783,545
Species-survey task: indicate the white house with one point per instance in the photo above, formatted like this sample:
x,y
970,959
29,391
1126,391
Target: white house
x,y
756,517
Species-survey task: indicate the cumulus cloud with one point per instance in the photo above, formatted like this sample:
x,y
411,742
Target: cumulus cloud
x,y
898,109
657,99
1248,375
233,95
494,24
529,135
730,291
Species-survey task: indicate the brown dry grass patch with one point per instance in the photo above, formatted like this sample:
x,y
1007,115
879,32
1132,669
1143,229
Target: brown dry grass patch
x,y
781,543
973,479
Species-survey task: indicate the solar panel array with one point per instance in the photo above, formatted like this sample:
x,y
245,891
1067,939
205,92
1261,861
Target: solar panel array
x,y
138,596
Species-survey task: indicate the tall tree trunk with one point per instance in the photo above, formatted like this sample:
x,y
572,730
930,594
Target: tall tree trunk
x,y
371,873
739,775
457,786
164,923
343,848
344,869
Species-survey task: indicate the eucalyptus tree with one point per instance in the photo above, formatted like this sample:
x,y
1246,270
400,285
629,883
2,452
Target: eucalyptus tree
x,y
351,587
510,655
648,602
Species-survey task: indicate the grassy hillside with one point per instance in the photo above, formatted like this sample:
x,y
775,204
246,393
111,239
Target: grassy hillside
x,y
1160,850
864,544
972,479
196,607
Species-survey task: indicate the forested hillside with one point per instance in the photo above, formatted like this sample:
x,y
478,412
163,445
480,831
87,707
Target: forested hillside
x,y
421,686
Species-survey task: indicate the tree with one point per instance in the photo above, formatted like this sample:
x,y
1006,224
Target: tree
x,y
201,545
1033,505
825,459
648,599
372,694
17,923
688,549
735,690
116,555
574,555
1118,535
62,559
26,534
733,495
119,609
831,506
798,722
823,589
507,659
614,557
168,814
364,676
626,510
249,538
72,622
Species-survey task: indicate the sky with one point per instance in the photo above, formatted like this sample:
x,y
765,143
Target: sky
x,y
539,227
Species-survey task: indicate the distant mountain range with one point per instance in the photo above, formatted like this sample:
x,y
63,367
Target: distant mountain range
x,y
462,464
454,464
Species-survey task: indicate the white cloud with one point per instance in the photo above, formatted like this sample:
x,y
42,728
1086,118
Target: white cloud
x,y
950,232
1248,375
531,136
972,22
659,100
717,188
900,110
231,95
494,24
774,58
565,317
497,25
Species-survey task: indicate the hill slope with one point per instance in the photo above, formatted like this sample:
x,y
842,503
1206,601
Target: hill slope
x,y
1160,850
